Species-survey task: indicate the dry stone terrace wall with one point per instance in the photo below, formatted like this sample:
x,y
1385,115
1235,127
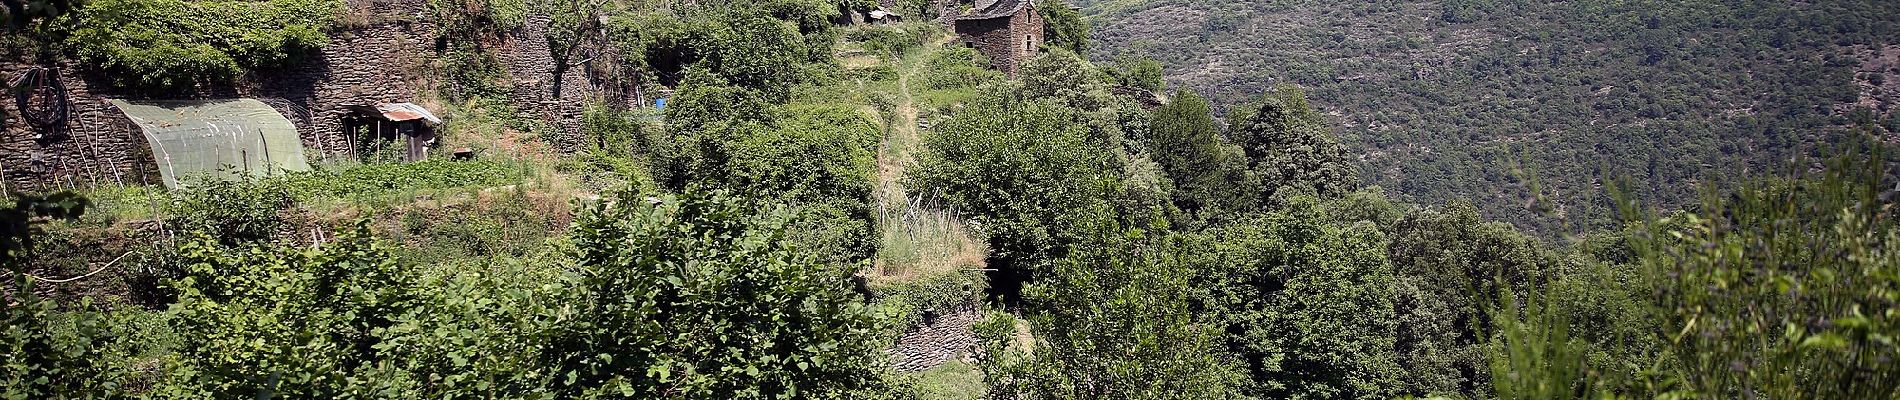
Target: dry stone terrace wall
x,y
939,340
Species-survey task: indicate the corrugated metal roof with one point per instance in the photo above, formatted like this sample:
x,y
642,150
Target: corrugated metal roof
x,y
398,112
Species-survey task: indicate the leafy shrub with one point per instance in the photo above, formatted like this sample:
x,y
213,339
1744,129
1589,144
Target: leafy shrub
x,y
957,68
282,321
1023,171
1289,147
371,180
1114,322
234,212
1779,285
169,44
1064,26
820,158
1306,304
698,297
890,41
743,47
487,225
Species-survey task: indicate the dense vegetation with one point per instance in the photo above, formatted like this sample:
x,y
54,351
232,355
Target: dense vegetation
x,y
811,191
1531,108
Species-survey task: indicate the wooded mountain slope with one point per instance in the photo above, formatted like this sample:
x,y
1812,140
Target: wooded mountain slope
x,y
1539,106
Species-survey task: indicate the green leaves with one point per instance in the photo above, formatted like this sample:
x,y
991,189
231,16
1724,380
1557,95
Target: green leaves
x,y
1779,284
705,298
1112,320
170,44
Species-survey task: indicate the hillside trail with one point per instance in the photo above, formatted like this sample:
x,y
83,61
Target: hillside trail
x,y
920,237
900,144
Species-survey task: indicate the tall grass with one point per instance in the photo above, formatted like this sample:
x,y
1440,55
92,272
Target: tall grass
x,y
920,237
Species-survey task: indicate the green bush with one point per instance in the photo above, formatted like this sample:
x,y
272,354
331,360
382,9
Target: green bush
x,y
173,44
1307,304
698,297
957,68
372,180
281,321
234,212
890,41
1024,172
1113,322
1778,285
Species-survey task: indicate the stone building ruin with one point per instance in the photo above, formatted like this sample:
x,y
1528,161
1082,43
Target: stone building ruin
x,y
1009,32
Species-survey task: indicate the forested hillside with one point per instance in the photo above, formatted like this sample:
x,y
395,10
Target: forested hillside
x,y
1530,108
812,206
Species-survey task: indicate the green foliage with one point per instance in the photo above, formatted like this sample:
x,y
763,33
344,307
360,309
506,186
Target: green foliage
x,y
891,42
1064,26
954,380
744,47
1115,324
1186,141
1141,73
620,143
614,133
488,225
1023,171
44,352
697,297
478,17
469,71
820,158
1534,357
233,212
47,352
1065,77
1289,147
1570,95
173,44
1450,264
1305,304
957,68
373,180
279,321
573,27
1778,285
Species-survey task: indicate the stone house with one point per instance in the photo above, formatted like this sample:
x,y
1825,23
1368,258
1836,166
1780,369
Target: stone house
x,y
1009,32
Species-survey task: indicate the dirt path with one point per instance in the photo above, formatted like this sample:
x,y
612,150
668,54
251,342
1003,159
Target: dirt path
x,y
899,149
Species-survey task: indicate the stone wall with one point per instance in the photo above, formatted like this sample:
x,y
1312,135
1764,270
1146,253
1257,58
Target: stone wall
x,y
93,147
939,340
531,63
381,59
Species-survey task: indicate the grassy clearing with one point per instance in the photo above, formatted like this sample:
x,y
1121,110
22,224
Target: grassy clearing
x,y
920,238
955,380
